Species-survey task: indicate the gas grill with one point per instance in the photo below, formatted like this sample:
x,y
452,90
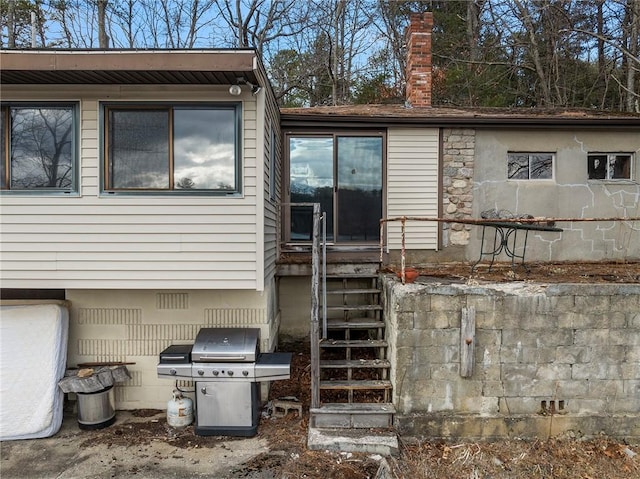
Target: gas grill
x,y
227,366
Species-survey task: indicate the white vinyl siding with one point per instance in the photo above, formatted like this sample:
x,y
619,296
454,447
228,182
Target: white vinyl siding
x,y
271,179
148,242
412,186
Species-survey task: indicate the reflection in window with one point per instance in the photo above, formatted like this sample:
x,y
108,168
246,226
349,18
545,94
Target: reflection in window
x,y
343,173
177,148
359,188
530,166
37,147
311,181
612,166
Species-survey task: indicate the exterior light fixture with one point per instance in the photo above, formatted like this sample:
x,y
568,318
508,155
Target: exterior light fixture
x,y
236,90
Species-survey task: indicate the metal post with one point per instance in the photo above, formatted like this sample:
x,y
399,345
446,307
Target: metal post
x,y
324,276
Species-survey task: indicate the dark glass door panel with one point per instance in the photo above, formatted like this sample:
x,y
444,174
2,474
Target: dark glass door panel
x,y
359,192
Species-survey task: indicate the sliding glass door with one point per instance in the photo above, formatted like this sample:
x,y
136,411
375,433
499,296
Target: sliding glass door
x,y
342,173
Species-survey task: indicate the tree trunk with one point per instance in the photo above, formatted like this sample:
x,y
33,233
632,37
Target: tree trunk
x,y
11,24
103,38
633,97
534,51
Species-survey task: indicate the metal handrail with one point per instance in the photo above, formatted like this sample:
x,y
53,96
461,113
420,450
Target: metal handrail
x,y
482,222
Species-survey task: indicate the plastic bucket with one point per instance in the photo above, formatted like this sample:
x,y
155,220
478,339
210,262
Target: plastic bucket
x,y
96,410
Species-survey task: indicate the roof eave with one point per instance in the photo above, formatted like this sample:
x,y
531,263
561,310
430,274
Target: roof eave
x,y
34,67
297,120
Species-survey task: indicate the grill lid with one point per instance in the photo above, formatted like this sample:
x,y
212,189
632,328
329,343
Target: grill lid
x,y
226,345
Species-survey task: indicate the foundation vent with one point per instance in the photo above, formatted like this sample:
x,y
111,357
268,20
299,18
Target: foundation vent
x,y
234,317
170,332
109,316
172,301
549,408
114,350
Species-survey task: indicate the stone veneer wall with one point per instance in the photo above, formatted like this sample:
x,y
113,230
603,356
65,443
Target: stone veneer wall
x,y
458,153
548,359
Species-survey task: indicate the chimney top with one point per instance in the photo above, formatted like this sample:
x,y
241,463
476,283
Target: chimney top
x,y
418,92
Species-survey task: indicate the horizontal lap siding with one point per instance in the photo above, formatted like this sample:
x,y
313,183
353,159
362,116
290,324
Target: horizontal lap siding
x,y
143,242
272,120
412,179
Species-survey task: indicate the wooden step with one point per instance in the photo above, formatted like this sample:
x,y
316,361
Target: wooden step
x,y
358,307
351,276
355,323
354,363
353,343
355,385
353,415
354,291
355,408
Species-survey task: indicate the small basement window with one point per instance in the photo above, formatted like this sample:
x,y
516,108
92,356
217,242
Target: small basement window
x,y
530,166
609,166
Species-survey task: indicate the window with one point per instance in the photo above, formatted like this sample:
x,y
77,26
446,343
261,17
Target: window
x,y
38,148
187,149
609,166
344,174
530,166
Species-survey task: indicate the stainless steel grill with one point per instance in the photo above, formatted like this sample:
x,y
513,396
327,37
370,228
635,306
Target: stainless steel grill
x,y
227,366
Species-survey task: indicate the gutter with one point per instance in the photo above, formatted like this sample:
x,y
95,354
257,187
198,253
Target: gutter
x,y
360,121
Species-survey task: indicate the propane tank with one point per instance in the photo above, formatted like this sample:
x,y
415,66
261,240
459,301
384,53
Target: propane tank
x,y
179,410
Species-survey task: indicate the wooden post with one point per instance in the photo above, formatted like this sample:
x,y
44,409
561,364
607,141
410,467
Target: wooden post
x,y
315,309
467,341
403,251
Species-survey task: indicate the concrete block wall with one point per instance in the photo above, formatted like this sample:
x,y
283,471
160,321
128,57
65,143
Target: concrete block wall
x,y
547,359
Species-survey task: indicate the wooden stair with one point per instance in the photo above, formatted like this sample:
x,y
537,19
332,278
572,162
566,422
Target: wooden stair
x,y
354,384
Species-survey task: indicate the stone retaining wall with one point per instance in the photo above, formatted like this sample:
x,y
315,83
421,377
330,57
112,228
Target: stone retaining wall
x,y
548,359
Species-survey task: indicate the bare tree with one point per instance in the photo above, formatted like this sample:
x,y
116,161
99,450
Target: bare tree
x,y
256,23
15,20
183,21
103,38
11,24
632,93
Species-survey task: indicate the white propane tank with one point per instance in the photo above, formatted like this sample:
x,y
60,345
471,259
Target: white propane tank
x,y
179,410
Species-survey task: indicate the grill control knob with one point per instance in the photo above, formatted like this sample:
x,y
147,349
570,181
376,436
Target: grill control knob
x,y
200,372
173,372
230,373
245,373
215,372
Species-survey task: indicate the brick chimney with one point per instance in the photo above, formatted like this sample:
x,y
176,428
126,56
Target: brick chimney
x,y
419,59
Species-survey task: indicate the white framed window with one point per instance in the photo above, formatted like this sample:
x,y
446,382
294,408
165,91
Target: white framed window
x,y
172,148
530,166
609,166
38,148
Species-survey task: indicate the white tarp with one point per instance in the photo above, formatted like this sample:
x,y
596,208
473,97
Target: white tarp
x,y
33,353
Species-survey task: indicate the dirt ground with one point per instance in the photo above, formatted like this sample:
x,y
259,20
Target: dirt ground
x,y
544,272
288,457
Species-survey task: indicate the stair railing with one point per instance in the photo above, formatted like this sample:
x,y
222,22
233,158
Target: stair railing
x,y
318,288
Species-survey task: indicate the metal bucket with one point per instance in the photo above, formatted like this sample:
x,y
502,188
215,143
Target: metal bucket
x,y
96,410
